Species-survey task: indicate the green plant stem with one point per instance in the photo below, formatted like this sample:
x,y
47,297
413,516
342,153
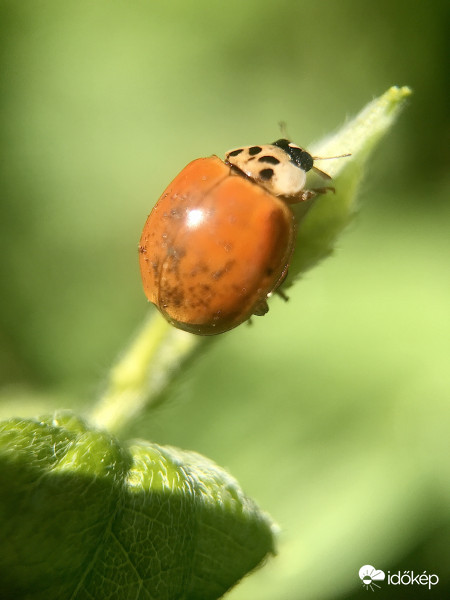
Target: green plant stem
x,y
143,372
159,350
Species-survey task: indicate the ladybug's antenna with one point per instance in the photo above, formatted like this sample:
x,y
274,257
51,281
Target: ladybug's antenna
x,y
283,129
330,157
322,173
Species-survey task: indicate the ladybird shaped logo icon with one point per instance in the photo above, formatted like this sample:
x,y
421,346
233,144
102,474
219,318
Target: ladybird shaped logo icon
x,y
369,575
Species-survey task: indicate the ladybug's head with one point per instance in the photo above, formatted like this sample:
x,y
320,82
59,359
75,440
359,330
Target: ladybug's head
x,y
297,155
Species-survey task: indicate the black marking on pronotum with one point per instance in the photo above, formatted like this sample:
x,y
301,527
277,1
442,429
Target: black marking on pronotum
x,y
272,160
235,152
266,174
254,150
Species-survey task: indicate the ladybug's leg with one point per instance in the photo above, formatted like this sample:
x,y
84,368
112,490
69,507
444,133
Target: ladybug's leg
x,y
282,294
308,194
278,289
261,308
324,190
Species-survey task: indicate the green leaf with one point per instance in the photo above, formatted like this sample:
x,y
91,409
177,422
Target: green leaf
x,y
82,516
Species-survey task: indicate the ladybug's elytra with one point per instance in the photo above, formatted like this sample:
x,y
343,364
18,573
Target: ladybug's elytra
x,y
218,242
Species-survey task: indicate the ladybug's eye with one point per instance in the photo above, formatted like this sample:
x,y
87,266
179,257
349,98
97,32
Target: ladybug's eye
x,y
306,161
299,157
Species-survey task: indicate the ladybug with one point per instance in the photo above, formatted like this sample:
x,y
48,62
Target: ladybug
x,y
218,242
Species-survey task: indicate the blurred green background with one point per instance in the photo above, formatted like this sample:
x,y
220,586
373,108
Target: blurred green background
x,y
332,411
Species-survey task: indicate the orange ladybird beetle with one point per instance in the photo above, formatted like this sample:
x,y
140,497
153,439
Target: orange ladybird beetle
x,y
218,242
